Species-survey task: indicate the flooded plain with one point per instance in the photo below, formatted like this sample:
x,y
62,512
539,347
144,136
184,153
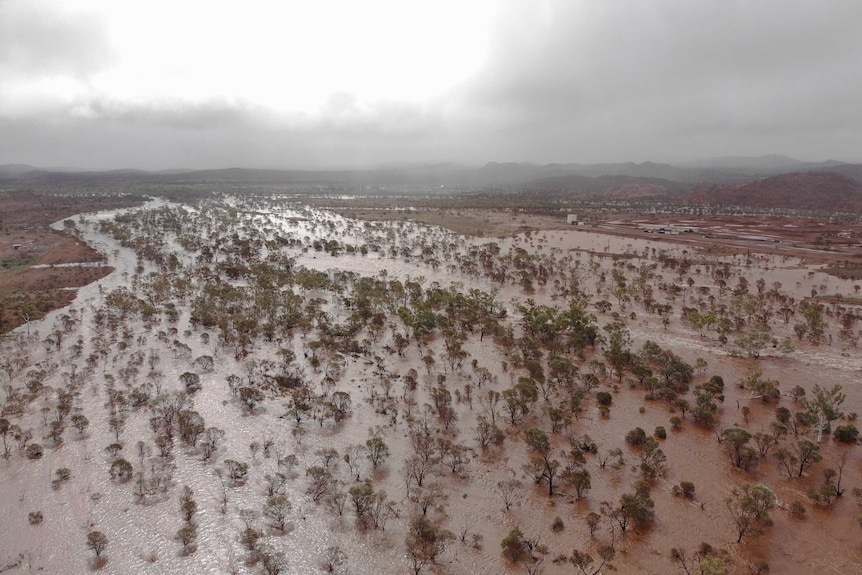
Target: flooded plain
x,y
383,312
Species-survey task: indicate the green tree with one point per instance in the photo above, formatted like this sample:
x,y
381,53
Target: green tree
x,y
236,471
519,549
653,459
425,542
377,450
757,386
80,423
542,467
750,509
618,352
537,440
807,453
191,426
191,381
188,506
579,478
676,372
846,433
579,327
277,510
713,565
636,436
635,508
121,470
97,541
702,322
752,344
586,565
187,535
250,397
814,326
824,407
735,440
7,434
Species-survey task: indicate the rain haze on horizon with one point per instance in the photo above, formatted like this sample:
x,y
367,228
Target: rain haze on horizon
x,y
102,84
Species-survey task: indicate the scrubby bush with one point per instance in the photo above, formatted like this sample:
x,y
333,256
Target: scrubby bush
x,y
796,508
636,436
62,475
34,451
846,433
121,470
684,489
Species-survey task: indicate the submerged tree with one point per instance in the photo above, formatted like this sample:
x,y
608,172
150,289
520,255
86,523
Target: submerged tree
x,y
277,510
425,542
824,407
585,563
735,440
542,467
519,549
376,450
750,510
97,541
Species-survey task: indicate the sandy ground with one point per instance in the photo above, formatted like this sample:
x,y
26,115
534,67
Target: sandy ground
x,y
26,284
815,240
478,223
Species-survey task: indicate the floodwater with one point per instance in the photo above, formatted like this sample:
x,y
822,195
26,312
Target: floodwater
x,y
141,534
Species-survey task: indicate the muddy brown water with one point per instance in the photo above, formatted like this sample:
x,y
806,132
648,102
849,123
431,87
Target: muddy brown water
x,y
825,539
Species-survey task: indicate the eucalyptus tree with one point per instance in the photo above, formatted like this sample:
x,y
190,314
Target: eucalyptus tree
x,y
749,509
542,466
824,407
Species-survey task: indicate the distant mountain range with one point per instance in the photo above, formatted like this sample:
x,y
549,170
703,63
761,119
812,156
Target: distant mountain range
x,y
765,181
819,191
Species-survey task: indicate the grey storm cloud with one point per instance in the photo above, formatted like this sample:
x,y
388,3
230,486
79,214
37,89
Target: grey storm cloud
x,y
167,113
660,71
36,40
562,81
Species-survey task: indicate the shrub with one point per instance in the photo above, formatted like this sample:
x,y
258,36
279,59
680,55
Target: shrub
x,y
558,525
34,451
121,470
636,436
661,432
61,476
676,422
604,398
686,489
846,433
515,546
35,517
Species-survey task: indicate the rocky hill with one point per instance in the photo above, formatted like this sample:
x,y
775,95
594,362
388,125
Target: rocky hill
x,y
815,191
606,187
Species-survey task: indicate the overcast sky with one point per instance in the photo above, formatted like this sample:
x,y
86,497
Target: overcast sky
x,y
344,83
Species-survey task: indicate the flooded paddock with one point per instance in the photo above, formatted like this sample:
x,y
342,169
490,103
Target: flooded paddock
x,y
422,329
